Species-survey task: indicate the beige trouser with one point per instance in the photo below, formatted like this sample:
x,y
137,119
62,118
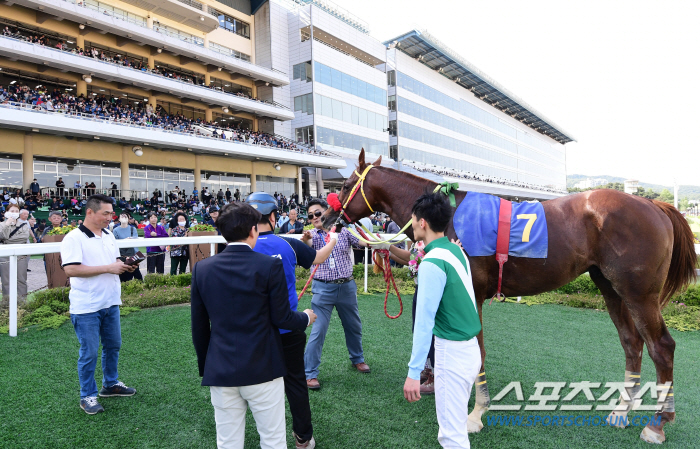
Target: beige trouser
x,y
22,263
266,402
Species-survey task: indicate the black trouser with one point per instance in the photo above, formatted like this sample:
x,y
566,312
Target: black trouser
x,y
156,263
293,344
180,261
431,353
126,276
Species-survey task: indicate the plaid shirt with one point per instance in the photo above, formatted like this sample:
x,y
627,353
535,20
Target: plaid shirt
x,y
339,264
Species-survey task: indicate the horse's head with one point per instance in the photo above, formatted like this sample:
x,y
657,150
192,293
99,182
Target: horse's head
x,y
360,193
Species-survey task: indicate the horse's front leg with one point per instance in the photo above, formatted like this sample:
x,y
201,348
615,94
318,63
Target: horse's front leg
x,y
481,390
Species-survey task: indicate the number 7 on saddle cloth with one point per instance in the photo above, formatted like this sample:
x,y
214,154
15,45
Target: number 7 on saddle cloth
x,y
476,225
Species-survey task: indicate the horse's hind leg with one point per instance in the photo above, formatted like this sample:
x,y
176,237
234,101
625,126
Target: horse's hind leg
x,y
481,391
661,346
632,344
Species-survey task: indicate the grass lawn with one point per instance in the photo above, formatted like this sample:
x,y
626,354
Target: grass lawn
x,y
39,404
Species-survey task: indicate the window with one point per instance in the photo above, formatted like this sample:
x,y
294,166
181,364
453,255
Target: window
x,y
391,77
346,112
332,137
302,71
305,134
392,102
394,152
304,103
350,84
228,52
233,25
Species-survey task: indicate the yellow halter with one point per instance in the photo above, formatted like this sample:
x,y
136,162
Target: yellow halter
x,y
361,185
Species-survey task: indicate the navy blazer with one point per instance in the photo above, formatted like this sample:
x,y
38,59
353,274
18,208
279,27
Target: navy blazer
x,y
244,296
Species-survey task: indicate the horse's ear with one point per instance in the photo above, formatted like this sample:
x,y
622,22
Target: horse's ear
x,y
361,159
378,162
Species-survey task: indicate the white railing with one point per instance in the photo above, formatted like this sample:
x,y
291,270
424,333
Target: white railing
x,y
34,249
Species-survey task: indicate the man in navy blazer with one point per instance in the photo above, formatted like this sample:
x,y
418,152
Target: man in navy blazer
x,y
239,303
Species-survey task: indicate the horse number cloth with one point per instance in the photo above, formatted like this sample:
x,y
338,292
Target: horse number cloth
x,y
476,225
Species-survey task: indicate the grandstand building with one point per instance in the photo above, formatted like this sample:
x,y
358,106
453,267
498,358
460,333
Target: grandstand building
x,y
274,95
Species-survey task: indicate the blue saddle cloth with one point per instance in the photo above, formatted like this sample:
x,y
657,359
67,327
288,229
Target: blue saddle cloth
x,y
476,225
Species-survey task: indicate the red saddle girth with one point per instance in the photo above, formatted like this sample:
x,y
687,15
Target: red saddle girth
x,y
502,243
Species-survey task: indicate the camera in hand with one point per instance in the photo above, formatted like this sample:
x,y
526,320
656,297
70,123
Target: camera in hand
x,y
135,259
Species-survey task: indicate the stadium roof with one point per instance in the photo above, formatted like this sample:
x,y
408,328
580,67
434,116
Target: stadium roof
x,y
420,45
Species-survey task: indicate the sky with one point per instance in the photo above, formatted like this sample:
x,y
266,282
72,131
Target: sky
x,y
622,77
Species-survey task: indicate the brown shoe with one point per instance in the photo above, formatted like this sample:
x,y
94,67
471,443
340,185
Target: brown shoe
x,y
424,375
428,387
313,384
362,367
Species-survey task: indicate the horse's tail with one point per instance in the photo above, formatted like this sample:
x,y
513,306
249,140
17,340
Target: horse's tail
x,y
683,258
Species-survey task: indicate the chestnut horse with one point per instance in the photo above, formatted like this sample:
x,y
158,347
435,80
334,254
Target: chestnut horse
x,y
638,252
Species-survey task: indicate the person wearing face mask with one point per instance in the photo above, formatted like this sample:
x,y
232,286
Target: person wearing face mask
x,y
125,231
179,253
13,232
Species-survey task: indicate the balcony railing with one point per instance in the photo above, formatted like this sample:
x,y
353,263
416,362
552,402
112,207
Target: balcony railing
x,y
111,11
93,118
157,78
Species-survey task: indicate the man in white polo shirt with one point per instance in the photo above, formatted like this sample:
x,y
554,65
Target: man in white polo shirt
x,y
91,259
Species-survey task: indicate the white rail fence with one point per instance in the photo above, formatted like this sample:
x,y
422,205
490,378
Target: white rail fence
x,y
34,249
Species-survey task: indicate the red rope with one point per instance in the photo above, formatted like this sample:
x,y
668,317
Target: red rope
x,y
381,260
303,290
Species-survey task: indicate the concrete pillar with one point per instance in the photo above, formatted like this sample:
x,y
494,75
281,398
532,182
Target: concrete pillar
x,y
197,173
319,181
208,114
206,41
253,183
149,22
207,79
28,161
152,100
299,181
151,62
80,41
81,88
126,149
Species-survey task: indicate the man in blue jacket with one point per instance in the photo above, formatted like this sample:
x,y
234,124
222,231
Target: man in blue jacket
x,y
292,252
239,303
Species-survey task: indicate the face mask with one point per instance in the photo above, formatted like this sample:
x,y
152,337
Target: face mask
x,y
12,215
182,223
123,220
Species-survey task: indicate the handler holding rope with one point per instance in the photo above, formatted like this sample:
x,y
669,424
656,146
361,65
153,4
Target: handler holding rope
x,y
333,287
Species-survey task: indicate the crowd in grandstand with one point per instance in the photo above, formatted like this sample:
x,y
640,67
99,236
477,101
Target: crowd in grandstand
x,y
119,59
482,178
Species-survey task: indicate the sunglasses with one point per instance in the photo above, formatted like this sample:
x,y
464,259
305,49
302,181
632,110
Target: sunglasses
x,y
317,214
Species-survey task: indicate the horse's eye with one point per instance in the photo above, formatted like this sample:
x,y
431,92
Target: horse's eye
x,y
346,187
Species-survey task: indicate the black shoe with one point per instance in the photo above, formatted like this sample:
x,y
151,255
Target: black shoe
x,y
118,389
91,406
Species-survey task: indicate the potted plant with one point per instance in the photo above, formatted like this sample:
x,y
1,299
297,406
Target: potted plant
x,y
54,271
200,251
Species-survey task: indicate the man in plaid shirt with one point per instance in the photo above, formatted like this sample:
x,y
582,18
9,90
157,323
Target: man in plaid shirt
x,y
333,286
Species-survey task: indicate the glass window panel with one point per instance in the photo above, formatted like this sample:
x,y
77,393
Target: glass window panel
x,y
355,115
338,135
361,89
337,110
354,83
370,119
347,113
327,107
325,75
336,79
363,117
347,83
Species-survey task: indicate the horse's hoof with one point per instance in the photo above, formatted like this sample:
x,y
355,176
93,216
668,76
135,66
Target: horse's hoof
x,y
651,436
617,419
474,426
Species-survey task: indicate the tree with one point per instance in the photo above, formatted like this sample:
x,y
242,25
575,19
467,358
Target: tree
x,y
650,194
666,196
683,203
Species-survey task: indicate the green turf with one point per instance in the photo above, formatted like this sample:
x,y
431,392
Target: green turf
x,y
39,404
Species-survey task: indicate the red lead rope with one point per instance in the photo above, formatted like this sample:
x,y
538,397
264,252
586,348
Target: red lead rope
x,y
381,260
303,290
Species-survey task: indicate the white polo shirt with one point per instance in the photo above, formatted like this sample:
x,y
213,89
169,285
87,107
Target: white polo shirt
x,y
90,294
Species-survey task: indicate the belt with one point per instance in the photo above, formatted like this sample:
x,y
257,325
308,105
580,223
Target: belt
x,y
336,281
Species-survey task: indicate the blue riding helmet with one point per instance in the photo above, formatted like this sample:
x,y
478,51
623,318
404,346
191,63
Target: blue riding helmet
x,y
263,202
